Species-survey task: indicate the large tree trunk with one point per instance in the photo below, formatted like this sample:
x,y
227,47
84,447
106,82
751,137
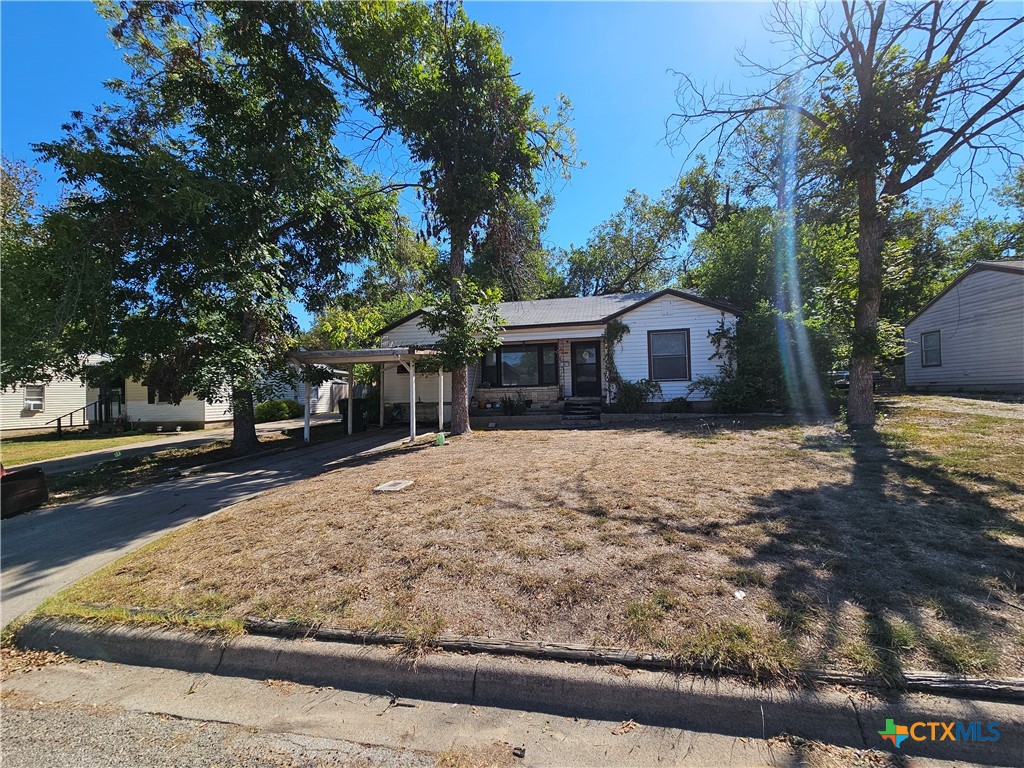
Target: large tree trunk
x,y
243,439
460,376
460,400
871,230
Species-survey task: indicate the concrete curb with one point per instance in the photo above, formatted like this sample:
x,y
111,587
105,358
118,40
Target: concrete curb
x,y
558,688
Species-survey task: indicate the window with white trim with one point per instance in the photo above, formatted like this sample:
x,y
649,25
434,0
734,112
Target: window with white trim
x,y
35,397
931,349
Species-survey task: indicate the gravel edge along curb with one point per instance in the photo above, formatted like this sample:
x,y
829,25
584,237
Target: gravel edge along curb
x,y
558,688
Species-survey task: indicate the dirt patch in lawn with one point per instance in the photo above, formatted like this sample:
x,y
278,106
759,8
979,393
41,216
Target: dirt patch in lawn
x,y
746,544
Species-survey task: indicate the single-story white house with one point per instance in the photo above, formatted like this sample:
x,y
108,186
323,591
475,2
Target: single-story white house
x,y
970,336
552,350
31,406
34,407
323,398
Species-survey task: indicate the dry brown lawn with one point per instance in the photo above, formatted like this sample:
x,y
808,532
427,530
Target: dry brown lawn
x,y
899,549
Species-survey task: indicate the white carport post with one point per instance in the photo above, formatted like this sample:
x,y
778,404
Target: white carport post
x,y
412,400
305,416
351,393
380,388
440,400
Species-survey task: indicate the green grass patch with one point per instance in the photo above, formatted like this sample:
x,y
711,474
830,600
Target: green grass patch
x,y
642,622
61,606
745,577
29,449
880,649
736,646
962,652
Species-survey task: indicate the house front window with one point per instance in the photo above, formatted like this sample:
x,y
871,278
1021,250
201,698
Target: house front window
x,y
931,349
154,396
531,365
35,397
669,355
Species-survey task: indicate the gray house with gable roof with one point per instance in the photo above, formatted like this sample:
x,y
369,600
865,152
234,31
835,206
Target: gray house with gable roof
x,y
970,336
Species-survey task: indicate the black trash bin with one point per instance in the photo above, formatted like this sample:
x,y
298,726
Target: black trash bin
x,y
359,414
343,409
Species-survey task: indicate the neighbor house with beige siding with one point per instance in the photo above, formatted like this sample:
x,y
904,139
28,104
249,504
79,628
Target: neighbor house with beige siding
x,y
971,336
35,407
30,406
553,351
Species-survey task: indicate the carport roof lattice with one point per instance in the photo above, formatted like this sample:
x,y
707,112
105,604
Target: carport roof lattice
x,y
359,356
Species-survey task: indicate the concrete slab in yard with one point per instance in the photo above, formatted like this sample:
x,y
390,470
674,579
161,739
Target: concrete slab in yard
x,y
393,486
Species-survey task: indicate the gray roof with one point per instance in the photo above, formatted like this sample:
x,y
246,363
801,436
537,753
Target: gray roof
x,y
578,310
1014,264
582,309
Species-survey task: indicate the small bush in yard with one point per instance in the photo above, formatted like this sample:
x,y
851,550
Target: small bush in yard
x,y
633,396
277,410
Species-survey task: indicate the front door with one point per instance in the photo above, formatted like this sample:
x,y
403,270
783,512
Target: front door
x,y
586,369
111,399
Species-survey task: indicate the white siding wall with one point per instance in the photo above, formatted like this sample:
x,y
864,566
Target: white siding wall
x,y
137,406
408,333
323,397
396,389
60,397
219,411
670,313
411,333
981,325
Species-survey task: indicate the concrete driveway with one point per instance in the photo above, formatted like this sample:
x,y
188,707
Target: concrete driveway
x,y
88,459
42,552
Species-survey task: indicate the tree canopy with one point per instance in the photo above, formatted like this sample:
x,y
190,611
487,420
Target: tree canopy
x,y
212,190
442,82
890,93
639,248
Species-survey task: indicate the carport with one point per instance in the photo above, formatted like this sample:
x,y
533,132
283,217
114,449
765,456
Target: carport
x,y
347,359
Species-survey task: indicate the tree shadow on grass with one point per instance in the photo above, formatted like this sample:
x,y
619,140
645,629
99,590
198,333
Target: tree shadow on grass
x,y
49,549
907,549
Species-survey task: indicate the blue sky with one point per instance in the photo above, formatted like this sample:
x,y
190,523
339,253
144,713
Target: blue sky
x,y
611,59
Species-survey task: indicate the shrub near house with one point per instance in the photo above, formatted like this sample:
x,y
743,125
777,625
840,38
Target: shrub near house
x,y
278,410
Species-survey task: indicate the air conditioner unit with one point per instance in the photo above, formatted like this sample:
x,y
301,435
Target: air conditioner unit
x,y
33,405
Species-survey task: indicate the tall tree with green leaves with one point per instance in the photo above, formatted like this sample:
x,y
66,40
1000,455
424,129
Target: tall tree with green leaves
x,y
26,294
893,93
511,255
639,248
443,83
391,286
213,189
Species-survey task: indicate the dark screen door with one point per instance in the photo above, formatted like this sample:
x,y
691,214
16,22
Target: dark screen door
x,y
586,369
